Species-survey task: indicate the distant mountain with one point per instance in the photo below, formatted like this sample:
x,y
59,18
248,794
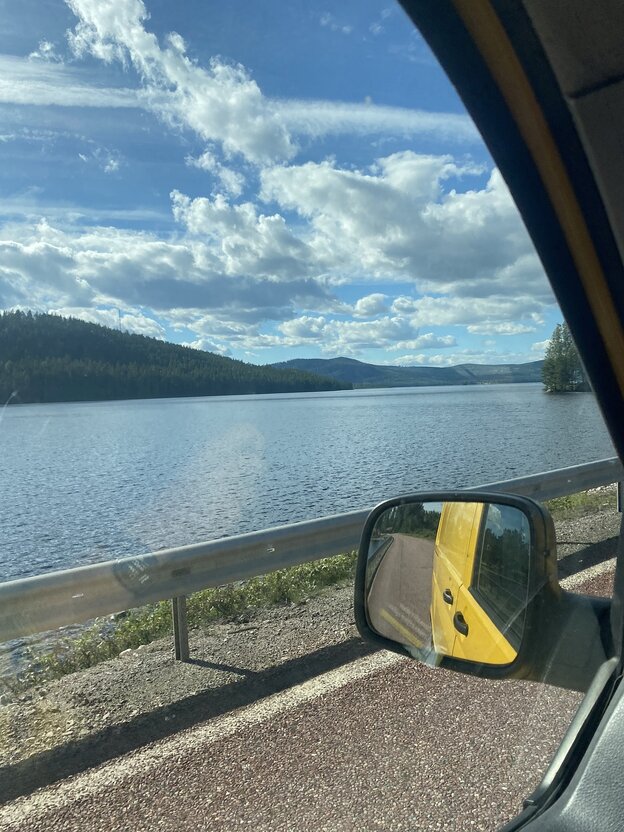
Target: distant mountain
x,y
361,374
46,358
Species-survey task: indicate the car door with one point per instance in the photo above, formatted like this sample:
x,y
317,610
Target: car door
x,y
491,600
454,538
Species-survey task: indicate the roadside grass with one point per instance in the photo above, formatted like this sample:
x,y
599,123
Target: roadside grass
x,y
106,638
583,503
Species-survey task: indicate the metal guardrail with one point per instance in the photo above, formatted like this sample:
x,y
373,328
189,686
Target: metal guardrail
x,y
73,596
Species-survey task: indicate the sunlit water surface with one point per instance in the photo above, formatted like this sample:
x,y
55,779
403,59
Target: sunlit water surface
x,y
88,482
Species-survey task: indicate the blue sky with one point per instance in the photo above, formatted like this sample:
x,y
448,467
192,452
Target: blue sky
x,y
264,180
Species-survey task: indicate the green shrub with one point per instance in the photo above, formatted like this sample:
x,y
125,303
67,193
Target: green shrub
x,y
583,503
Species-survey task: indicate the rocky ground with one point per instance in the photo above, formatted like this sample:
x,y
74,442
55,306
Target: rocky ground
x,y
144,695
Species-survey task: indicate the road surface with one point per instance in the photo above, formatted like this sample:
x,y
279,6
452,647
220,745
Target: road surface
x,y
381,743
400,592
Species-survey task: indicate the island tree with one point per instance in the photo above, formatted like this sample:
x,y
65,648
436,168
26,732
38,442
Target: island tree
x,y
563,371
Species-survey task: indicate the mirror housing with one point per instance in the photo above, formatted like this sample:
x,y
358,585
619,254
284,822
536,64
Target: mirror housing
x,y
534,638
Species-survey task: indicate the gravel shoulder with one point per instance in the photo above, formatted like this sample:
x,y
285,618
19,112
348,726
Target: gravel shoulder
x,y
89,717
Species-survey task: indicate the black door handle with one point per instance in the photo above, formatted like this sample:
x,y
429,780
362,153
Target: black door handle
x,y
459,623
447,596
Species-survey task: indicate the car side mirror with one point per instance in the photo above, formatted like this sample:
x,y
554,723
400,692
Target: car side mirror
x,y
467,581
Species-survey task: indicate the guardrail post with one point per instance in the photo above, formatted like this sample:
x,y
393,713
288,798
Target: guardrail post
x,y
180,628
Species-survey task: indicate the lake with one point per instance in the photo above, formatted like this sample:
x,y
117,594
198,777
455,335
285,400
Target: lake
x,y
88,482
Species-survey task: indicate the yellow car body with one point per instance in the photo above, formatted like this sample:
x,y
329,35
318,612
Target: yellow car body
x,y
461,626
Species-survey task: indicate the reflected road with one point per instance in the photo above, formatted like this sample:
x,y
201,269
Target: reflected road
x,y
400,593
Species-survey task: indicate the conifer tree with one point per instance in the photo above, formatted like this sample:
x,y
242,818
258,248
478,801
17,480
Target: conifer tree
x,y
562,371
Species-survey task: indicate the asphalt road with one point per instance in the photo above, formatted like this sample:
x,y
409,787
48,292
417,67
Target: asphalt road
x,y
400,593
381,743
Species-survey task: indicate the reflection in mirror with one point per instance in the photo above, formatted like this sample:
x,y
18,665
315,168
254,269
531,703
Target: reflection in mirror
x,y
450,579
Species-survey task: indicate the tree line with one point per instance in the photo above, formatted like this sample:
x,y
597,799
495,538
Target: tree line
x,y
47,358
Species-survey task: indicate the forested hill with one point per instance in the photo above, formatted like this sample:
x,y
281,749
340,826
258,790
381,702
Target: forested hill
x,y
361,374
46,358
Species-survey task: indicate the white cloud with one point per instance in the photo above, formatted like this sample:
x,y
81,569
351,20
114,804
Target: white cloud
x,y
115,319
540,346
47,267
30,206
445,311
245,242
305,328
350,337
396,221
322,118
32,82
222,103
239,264
462,357
505,328
107,160
328,21
208,345
370,305
231,181
426,341
219,103
46,52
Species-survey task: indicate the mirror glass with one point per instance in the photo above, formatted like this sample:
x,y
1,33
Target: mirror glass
x,y
450,579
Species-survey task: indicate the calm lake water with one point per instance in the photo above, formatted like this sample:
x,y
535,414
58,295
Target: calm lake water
x,y
83,483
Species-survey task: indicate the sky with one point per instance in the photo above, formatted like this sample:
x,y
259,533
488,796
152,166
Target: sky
x,y
264,180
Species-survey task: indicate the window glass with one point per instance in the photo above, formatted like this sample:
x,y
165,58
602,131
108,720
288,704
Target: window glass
x,y
200,200
501,573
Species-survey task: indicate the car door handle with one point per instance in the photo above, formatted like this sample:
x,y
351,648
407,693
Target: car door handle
x,y
459,623
447,596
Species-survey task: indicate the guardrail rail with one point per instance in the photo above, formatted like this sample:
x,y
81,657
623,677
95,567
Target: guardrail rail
x,y
74,596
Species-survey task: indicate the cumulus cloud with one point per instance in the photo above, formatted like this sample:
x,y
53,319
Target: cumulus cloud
x,y
407,219
208,345
231,181
397,221
46,52
394,223
426,341
350,337
540,347
245,242
53,268
482,311
136,324
219,103
371,305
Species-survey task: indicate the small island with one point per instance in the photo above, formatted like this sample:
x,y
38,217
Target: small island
x,y
562,371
